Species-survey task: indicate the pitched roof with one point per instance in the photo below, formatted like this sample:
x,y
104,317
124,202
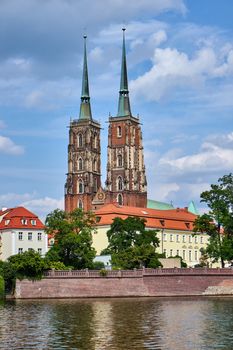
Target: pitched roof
x,y
152,204
177,219
12,219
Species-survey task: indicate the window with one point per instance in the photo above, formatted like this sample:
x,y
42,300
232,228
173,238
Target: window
x,y
95,141
190,255
196,239
183,239
120,199
80,186
7,222
80,164
183,254
80,140
201,240
119,131
33,222
171,238
170,252
190,239
119,160
39,236
30,249
177,238
20,236
165,252
20,250
24,221
94,165
164,237
119,183
195,255
39,251
178,252
80,204
29,236
95,184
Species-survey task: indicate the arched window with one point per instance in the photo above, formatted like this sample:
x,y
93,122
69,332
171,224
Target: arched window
x,y
94,165
80,164
80,140
119,183
80,186
95,184
119,160
120,199
80,204
119,131
95,140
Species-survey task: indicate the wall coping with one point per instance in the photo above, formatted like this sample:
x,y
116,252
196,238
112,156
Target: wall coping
x,y
138,273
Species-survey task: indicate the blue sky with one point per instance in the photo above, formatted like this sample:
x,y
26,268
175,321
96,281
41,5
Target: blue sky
x,y
180,67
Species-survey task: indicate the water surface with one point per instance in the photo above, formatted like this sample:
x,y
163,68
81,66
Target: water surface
x,y
118,324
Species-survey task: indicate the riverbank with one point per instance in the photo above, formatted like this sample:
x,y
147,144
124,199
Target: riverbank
x,y
132,283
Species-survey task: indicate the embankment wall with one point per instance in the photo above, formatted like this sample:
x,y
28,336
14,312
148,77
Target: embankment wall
x,y
138,283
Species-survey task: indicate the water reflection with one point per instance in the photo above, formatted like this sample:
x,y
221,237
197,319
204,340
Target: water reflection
x,y
117,324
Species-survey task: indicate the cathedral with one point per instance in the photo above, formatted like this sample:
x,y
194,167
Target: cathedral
x,y
126,183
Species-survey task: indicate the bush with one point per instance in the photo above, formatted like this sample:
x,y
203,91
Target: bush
x,y
103,273
98,265
2,287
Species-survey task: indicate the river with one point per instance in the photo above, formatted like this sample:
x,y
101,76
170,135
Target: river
x,y
118,324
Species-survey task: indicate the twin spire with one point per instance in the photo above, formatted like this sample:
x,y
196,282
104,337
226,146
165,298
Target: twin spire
x,y
123,104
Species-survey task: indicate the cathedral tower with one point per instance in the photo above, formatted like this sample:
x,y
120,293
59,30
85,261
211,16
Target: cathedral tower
x,y
126,179
84,174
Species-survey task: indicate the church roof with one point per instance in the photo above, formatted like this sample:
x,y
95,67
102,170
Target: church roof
x,y
176,219
152,204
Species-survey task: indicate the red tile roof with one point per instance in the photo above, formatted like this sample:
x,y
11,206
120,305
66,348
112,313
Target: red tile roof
x,y
178,219
12,219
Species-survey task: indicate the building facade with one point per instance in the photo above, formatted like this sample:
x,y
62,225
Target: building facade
x,y
126,178
175,230
20,231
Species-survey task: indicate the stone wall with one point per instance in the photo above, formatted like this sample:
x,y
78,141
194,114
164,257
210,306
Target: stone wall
x,y
165,282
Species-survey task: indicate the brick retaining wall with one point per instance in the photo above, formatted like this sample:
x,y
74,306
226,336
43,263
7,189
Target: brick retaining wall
x,y
136,283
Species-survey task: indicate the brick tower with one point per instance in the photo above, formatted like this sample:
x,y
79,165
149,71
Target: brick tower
x,y
84,174
126,179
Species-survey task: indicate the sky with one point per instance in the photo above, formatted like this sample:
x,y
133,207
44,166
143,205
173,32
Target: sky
x,y
180,70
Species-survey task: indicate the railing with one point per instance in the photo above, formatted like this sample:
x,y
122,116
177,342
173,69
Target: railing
x,y
135,273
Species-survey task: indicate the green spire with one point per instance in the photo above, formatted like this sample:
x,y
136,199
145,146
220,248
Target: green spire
x,y
85,107
124,104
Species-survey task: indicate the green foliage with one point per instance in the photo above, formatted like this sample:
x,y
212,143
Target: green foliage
x,y
73,238
98,265
103,272
131,245
218,223
2,287
56,265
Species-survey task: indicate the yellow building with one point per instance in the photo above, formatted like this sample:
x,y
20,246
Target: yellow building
x,y
175,230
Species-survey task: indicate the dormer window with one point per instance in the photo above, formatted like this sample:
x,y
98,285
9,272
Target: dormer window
x,y
187,225
33,222
7,222
162,222
24,221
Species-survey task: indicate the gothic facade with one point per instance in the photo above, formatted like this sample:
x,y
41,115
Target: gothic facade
x,y
126,179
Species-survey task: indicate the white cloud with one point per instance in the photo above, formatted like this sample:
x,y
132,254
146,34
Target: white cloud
x,y
7,146
173,69
210,158
43,206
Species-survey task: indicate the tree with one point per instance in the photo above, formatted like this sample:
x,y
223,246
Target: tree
x,y
73,238
131,245
218,223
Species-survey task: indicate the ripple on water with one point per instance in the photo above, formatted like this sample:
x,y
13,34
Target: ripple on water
x,y
118,324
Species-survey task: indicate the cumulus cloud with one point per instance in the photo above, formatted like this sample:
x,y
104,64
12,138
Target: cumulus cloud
x,y
7,146
210,158
43,206
174,69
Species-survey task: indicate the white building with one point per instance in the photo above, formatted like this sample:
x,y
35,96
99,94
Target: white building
x,y
21,230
